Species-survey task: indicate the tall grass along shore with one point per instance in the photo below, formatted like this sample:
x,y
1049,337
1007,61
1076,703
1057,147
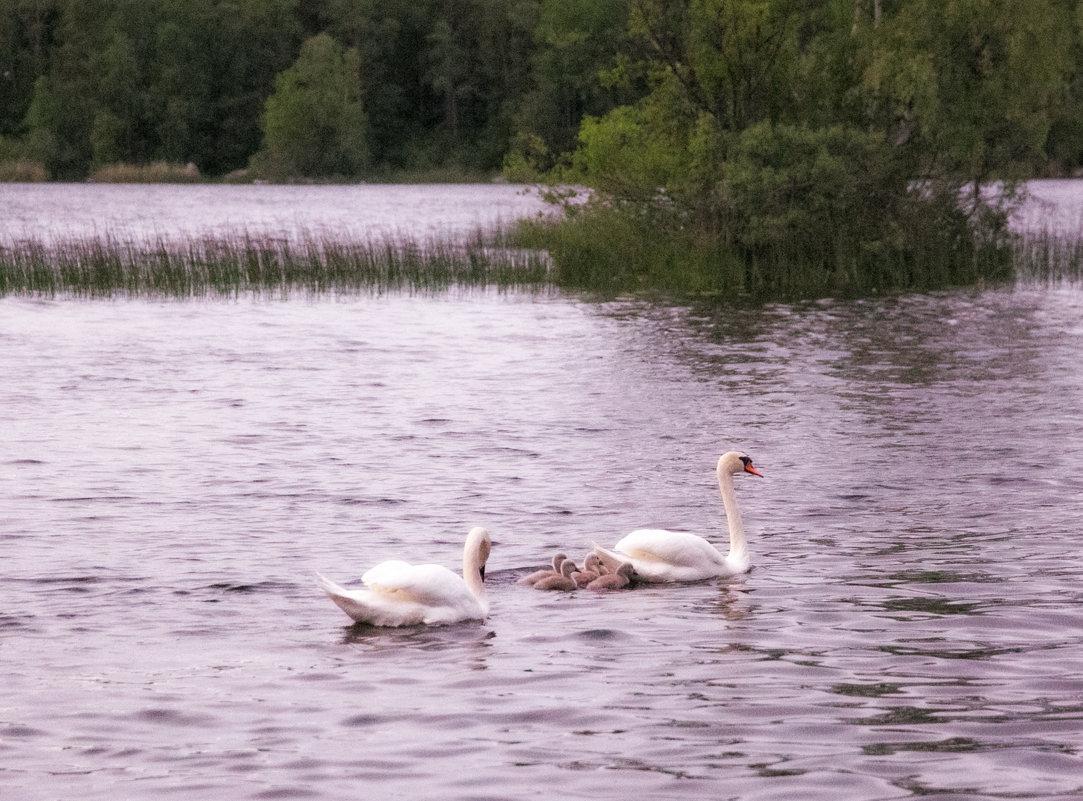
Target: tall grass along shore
x,y
533,255
112,265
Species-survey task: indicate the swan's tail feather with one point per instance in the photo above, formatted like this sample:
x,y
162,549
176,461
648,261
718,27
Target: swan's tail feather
x,y
328,586
343,599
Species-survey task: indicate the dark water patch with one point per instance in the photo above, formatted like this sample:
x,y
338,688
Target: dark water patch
x,y
17,623
363,721
902,716
382,501
294,791
255,587
511,451
952,745
318,676
82,499
601,635
77,581
420,637
918,576
949,651
21,732
931,606
867,690
173,717
509,576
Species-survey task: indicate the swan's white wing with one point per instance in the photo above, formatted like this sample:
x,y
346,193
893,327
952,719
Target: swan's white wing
x,y
673,547
400,594
431,585
366,606
660,555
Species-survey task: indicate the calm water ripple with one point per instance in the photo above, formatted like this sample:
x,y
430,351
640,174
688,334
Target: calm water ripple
x,y
51,212
173,474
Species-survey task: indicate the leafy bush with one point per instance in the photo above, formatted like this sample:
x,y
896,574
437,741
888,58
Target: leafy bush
x,y
158,172
313,124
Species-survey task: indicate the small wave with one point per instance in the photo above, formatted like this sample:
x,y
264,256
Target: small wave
x,y
15,622
19,731
173,717
595,635
258,586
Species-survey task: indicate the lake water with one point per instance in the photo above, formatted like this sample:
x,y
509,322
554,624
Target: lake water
x,y
173,474
50,212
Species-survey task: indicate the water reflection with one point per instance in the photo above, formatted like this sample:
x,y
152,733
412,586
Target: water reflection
x,y
469,639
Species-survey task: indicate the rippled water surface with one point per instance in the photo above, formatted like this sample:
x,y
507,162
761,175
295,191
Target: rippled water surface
x,y
173,474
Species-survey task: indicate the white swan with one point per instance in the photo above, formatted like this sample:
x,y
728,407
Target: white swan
x,y
659,555
401,594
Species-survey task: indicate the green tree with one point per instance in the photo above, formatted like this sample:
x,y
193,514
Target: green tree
x,y
389,36
314,124
715,67
215,66
26,28
970,87
772,128
42,122
575,43
60,115
1064,145
120,127
476,66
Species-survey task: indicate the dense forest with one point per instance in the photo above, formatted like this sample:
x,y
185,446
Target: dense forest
x,y
836,133
360,88
314,88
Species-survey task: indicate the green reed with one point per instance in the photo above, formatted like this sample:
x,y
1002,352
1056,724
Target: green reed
x,y
534,256
111,265
1049,257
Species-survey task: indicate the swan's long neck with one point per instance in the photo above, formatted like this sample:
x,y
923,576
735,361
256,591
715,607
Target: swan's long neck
x,y
738,546
472,562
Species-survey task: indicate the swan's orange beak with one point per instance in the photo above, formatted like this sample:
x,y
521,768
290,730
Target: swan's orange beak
x,y
750,469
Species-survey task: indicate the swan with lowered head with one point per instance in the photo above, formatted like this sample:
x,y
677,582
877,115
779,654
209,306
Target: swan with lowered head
x,y
658,555
400,594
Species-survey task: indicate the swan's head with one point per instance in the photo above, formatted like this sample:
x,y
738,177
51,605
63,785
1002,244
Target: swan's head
x,y
737,462
480,543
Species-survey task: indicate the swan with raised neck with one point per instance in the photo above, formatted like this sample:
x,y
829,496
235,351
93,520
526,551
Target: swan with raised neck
x,y
659,555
